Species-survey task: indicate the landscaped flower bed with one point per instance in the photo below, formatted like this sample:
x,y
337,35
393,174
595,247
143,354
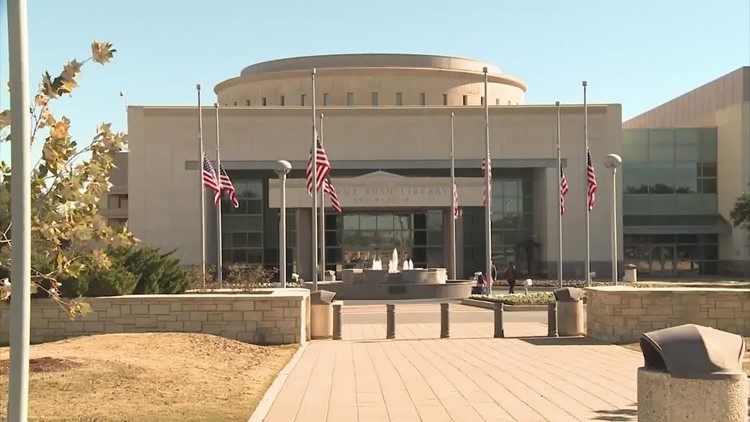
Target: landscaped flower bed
x,y
537,298
552,283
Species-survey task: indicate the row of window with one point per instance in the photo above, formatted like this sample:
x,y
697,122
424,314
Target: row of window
x,y
374,100
117,201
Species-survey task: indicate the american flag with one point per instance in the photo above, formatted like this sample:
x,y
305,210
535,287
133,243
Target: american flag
x,y
209,179
591,178
323,167
563,191
331,191
455,202
484,198
228,187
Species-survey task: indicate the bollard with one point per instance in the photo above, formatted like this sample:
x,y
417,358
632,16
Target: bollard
x,y
499,330
552,319
390,314
337,321
444,321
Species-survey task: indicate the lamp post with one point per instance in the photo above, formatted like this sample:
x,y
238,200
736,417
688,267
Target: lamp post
x,y
613,161
283,168
20,192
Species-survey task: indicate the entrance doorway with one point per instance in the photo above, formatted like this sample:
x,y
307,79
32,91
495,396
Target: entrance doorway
x,y
367,236
662,260
353,240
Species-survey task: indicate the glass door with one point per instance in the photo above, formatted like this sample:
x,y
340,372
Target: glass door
x,y
662,260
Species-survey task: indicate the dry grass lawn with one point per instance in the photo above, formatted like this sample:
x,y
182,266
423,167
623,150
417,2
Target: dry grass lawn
x,y
147,377
745,362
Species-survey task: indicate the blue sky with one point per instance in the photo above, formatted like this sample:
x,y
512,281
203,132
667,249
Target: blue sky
x,y
639,53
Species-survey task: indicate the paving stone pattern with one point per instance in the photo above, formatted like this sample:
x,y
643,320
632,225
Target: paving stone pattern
x,y
469,377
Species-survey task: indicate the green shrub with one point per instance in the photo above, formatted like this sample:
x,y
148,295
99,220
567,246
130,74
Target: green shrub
x,y
536,298
114,281
158,273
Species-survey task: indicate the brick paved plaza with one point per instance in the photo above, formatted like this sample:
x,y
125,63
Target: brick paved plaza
x,y
470,377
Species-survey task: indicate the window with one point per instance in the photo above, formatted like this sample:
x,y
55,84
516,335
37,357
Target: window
x,y
665,173
466,100
635,146
282,101
422,98
481,101
374,100
497,101
350,98
264,102
325,98
235,103
302,99
242,227
445,99
117,202
247,103
398,98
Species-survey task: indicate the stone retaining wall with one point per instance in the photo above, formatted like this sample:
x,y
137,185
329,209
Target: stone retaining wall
x,y
278,316
622,314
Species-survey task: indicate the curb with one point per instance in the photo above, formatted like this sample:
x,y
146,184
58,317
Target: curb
x,y
264,405
507,308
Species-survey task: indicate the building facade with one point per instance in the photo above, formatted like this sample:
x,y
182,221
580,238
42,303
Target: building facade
x,y
685,163
386,130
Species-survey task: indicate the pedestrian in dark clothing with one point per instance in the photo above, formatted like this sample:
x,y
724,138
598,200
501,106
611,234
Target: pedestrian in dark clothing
x,y
510,276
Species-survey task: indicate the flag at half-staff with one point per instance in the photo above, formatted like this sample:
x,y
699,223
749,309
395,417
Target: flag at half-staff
x,y
322,170
331,191
209,179
484,168
591,179
563,191
227,186
456,211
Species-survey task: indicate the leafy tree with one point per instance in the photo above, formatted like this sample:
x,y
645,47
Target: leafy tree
x,y
740,214
66,185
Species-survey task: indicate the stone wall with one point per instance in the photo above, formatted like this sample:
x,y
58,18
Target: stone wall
x,y
278,316
622,314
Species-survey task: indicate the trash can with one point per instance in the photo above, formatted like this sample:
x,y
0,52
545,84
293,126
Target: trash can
x,y
569,312
692,373
631,274
321,314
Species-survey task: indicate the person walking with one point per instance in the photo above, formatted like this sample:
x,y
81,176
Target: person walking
x,y
510,275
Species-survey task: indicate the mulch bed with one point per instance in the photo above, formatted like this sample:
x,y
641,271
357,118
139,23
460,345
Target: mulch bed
x,y
45,364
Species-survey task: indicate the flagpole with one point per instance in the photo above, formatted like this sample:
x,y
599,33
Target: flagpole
x,y
453,204
322,239
586,183
202,195
559,214
314,174
20,302
219,252
488,202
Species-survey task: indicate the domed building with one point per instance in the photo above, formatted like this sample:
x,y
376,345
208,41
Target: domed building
x,y
385,123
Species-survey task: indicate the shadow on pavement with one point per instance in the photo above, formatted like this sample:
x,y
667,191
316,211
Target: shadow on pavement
x,y
627,414
563,341
378,340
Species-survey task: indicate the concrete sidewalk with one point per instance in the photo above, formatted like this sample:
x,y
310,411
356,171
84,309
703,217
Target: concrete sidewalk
x,y
470,377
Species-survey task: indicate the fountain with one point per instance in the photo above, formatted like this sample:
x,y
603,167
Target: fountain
x,y
398,282
393,265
